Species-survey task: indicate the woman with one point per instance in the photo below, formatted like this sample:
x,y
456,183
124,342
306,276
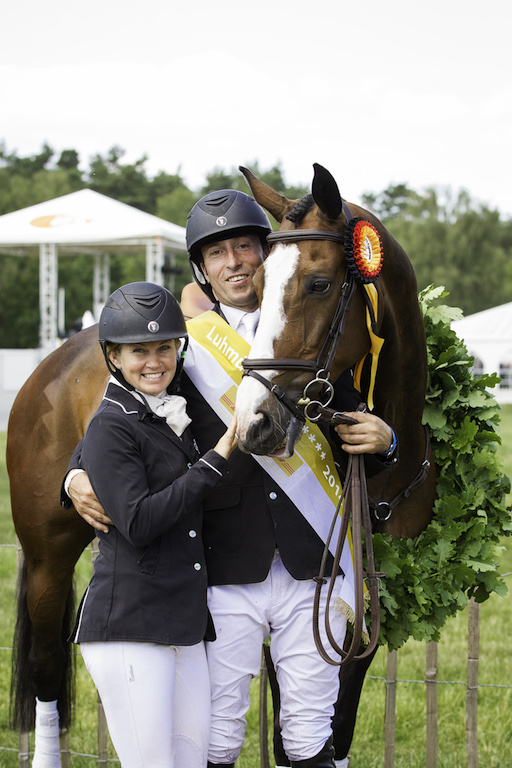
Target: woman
x,y
143,618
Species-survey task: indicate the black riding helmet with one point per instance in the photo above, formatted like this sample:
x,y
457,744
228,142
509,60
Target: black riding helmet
x,y
141,312
218,216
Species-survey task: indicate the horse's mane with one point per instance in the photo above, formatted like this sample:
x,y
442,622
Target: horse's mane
x,y
300,209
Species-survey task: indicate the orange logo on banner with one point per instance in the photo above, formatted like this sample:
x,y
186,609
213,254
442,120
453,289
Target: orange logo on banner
x,y
55,220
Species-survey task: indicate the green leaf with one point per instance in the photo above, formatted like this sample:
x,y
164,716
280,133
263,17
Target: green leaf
x,y
430,579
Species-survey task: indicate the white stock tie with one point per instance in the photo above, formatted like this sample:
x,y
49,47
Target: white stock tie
x,y
247,326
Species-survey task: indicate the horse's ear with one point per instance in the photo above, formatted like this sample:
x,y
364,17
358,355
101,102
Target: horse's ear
x,y
272,201
325,192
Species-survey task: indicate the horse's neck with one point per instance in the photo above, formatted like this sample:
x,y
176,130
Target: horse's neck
x,y
400,384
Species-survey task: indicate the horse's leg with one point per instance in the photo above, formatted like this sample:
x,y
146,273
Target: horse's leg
x,y
42,664
279,753
345,710
50,606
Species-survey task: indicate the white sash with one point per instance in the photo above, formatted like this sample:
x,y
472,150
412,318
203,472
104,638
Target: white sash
x,y
309,478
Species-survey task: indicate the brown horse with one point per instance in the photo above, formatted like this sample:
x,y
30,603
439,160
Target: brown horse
x,y
305,317
53,408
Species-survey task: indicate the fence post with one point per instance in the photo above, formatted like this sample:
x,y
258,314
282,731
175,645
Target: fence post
x,y
65,755
102,720
23,738
472,683
24,750
390,714
431,697
263,712
102,735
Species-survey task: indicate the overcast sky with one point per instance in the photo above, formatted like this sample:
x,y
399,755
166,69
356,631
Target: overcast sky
x,y
378,92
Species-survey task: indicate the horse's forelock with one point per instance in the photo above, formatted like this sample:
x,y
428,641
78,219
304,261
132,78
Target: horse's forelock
x,y
300,210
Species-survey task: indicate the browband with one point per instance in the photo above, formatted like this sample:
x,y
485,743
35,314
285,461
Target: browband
x,y
294,235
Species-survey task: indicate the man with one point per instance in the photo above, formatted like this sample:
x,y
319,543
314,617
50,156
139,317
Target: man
x,y
261,553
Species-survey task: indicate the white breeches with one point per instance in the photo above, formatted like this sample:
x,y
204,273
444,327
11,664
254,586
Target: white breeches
x,y
244,616
156,700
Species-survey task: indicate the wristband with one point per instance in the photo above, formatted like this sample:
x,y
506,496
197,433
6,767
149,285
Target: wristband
x,y
391,449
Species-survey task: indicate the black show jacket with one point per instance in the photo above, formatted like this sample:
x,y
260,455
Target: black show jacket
x,y
149,581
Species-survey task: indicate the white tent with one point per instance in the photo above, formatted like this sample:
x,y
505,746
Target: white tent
x,y
488,337
86,221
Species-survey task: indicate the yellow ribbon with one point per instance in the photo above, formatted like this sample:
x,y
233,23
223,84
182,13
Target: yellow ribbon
x,y
375,347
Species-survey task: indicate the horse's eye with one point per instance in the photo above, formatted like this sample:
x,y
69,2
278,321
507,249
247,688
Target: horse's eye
x,y
320,286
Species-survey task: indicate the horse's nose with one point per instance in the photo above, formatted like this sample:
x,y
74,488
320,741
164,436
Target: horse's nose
x,y
262,436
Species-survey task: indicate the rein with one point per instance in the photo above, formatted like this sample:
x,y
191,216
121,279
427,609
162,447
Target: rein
x,y
356,506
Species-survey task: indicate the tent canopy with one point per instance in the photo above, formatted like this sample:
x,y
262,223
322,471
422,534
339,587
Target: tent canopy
x,y
86,220
86,217
488,338
494,325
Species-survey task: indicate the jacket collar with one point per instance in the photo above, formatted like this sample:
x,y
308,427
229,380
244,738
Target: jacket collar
x,y
133,407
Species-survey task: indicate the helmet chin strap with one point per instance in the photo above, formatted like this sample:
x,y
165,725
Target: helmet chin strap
x,y
116,373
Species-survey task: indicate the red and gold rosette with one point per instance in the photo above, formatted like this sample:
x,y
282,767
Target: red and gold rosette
x,y
363,250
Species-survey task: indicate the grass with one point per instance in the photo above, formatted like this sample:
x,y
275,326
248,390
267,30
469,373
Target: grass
x,y
495,676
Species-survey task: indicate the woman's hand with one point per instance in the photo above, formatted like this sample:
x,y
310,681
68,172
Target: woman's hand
x,y
228,442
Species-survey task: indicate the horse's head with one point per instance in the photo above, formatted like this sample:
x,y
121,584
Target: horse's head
x,y
299,287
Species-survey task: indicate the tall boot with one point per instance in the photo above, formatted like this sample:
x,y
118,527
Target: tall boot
x,y
220,765
324,759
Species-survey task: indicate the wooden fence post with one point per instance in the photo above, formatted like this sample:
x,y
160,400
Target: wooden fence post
x,y
102,720
472,683
65,755
263,714
431,701
23,738
390,714
102,735
24,750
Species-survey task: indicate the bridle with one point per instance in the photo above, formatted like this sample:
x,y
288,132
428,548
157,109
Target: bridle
x,y
355,493
305,407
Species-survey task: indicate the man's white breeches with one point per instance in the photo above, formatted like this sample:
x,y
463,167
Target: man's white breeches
x,y
244,616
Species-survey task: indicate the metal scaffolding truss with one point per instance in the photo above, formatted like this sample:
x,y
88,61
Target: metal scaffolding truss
x,y
48,300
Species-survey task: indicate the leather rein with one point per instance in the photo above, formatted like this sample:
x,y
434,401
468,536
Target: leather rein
x,y
357,503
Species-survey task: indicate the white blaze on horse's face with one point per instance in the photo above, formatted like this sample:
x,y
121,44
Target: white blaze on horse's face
x,y
279,268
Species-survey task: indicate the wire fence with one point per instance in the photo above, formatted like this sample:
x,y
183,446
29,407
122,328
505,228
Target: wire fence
x,y
390,682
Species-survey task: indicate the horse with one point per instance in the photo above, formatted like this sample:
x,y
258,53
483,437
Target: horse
x,y
53,408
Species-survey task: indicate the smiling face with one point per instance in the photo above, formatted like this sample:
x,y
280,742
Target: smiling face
x,y
230,266
148,366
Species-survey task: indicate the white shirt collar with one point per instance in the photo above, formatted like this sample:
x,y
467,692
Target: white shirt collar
x,y
234,316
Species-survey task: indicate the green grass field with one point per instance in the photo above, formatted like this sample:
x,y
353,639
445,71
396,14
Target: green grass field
x,y
495,676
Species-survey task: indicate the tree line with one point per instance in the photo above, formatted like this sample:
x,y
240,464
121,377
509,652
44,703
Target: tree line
x,y
451,239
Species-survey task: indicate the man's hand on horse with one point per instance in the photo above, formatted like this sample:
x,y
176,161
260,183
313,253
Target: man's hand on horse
x,y
369,435
86,503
